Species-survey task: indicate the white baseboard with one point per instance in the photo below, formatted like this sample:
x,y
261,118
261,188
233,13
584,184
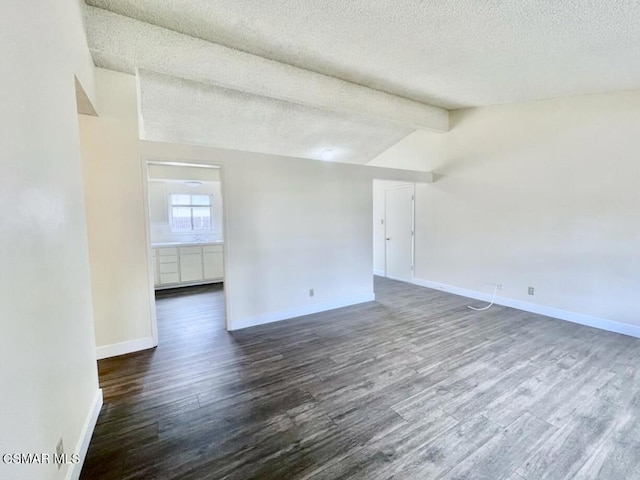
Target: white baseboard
x,y
85,436
300,311
123,348
575,317
380,273
408,280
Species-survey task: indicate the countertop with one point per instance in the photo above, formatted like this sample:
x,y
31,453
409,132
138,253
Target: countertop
x,y
185,244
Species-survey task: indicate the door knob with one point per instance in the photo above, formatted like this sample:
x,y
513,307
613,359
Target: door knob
x,y
388,238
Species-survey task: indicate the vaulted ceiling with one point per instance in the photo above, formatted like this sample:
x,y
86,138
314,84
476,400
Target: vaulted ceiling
x,y
296,77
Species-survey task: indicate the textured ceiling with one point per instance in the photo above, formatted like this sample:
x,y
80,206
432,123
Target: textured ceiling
x,y
295,77
125,43
452,53
182,111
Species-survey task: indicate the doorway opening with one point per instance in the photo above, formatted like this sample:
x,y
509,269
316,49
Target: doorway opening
x,y
393,229
186,242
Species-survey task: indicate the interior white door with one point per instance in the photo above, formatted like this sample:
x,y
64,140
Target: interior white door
x,y
399,232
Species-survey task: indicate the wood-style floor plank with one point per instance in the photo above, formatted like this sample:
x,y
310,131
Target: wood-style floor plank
x,y
412,386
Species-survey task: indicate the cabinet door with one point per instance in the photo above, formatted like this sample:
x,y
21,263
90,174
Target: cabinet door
x,y
156,272
191,267
213,265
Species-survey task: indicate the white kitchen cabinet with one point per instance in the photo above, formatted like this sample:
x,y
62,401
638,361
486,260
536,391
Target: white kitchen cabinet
x,y
213,262
168,265
169,278
190,264
168,268
187,265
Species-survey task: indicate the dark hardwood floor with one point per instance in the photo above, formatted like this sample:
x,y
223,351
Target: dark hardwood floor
x,y
412,386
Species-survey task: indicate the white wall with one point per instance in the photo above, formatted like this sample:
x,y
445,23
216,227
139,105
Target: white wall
x,y
183,172
113,179
48,371
379,242
159,191
291,224
542,194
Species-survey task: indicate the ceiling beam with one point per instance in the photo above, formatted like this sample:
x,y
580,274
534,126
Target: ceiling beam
x,y
122,43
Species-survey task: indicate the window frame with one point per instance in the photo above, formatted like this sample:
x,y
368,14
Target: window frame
x,y
191,205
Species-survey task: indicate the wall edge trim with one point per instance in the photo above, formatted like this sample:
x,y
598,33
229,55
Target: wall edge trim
x,y
85,436
301,311
122,348
557,313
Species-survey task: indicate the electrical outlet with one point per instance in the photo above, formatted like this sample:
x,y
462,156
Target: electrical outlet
x,y
59,452
311,292
498,286
531,290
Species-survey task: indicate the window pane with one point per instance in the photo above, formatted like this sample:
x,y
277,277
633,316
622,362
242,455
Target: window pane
x,y
181,219
180,199
201,218
200,200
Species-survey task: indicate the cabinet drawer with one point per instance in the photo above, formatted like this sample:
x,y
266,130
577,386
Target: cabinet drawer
x,y
169,259
189,250
167,251
212,248
169,278
168,268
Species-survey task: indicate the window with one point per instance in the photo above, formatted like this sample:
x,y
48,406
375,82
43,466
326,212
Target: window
x,y
190,213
